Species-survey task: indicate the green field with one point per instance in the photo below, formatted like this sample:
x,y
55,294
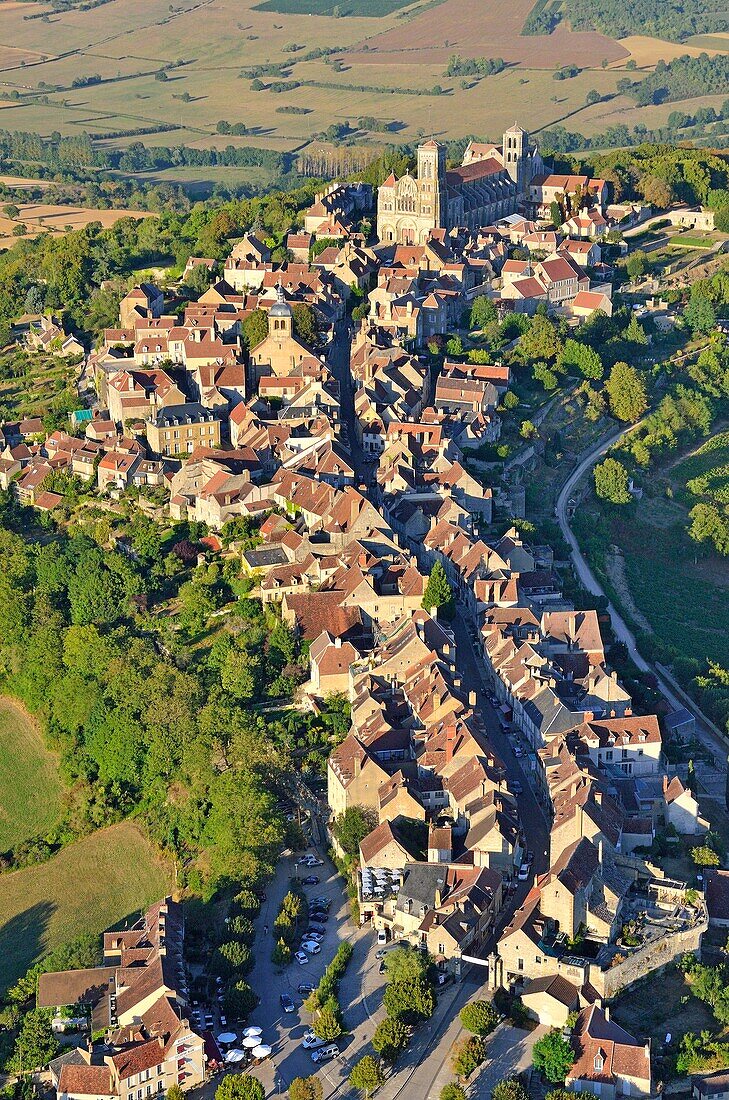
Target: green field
x,y
692,240
89,886
30,789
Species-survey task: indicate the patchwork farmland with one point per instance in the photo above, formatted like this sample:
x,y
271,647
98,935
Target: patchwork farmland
x,y
170,75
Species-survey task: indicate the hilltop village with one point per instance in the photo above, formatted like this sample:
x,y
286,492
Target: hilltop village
x,y
511,785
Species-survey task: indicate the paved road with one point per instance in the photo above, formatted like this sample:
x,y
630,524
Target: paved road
x,y
622,631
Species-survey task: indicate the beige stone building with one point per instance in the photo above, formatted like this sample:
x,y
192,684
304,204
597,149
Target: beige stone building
x,y
484,189
279,352
179,429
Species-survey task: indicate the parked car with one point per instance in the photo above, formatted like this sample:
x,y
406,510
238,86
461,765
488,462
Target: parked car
x,y
311,947
444,978
316,928
223,1021
325,1054
524,872
382,968
325,902
382,936
305,988
319,913
287,1003
209,1021
312,1041
303,861
301,957
314,936
312,880
314,862
518,751
516,786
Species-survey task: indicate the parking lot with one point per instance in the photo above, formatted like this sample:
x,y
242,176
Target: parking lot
x,y
360,990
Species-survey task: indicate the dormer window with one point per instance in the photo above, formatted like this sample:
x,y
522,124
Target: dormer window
x,y
599,1062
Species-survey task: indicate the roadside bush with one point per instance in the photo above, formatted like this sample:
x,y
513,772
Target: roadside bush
x,y
480,1017
469,1056
390,1039
328,1022
330,979
281,954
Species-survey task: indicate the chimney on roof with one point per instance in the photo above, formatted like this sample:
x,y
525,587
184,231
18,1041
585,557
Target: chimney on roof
x,y
337,642
598,797
434,612
472,698
606,1010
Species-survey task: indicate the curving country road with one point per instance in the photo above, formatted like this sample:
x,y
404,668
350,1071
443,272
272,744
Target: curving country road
x,y
622,631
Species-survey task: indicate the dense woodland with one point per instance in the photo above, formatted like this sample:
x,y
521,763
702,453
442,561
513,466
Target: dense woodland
x,y
149,696
672,19
684,78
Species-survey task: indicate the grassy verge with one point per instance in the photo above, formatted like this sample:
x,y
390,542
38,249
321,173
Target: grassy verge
x,y
30,788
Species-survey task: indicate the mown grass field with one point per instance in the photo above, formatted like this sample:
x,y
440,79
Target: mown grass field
x,y
30,788
89,886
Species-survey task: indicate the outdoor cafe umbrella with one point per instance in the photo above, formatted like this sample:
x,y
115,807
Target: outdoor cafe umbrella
x,y
234,1056
226,1037
253,1031
261,1051
251,1041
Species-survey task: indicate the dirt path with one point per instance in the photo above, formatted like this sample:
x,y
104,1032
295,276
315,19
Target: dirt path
x,y
615,566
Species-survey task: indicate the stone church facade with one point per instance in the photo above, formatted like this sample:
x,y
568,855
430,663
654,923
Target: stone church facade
x,y
486,187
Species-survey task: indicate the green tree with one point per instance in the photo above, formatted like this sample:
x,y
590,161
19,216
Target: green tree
x,y
255,328
540,341
174,1092
306,1088
328,1023
636,264
35,1044
454,346
469,1055
700,314
483,312
709,525
390,1039
611,482
580,357
240,1086
367,1075
452,1091
553,1056
480,1017
635,333
304,322
626,393
438,592
281,954
528,429
410,1000
239,1000
703,856
510,1088
351,827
